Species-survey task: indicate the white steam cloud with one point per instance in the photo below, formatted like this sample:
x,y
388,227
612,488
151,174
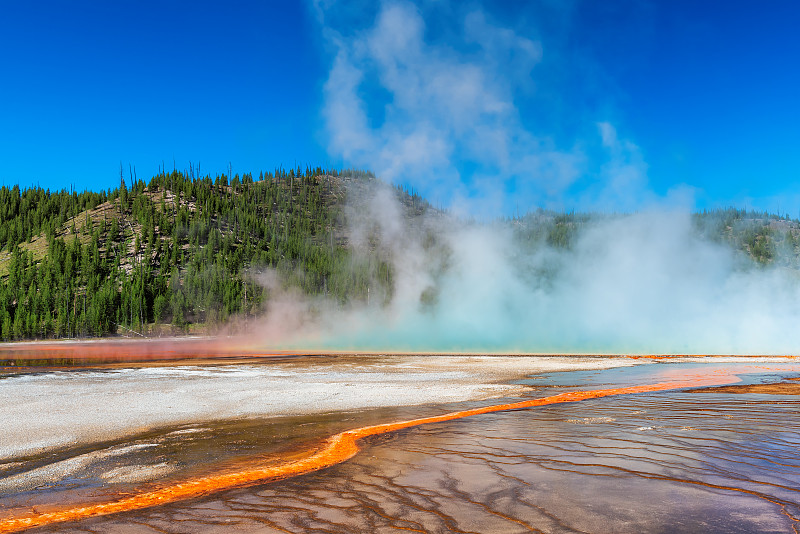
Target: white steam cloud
x,y
643,283
440,108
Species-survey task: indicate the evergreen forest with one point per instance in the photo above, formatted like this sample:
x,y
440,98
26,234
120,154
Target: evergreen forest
x,y
182,253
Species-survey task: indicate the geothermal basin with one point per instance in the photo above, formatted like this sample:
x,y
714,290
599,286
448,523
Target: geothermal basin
x,y
150,438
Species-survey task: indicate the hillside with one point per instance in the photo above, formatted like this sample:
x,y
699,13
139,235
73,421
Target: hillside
x,y
765,238
184,253
179,250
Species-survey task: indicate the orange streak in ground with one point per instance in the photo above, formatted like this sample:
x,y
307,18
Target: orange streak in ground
x,y
117,350
336,449
124,350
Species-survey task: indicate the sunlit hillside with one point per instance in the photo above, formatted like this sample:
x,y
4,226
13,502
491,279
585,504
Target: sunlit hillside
x,y
183,253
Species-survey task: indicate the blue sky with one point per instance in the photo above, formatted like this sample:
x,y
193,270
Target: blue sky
x,y
490,107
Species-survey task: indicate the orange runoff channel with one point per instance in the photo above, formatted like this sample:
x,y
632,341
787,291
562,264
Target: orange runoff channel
x,y
336,449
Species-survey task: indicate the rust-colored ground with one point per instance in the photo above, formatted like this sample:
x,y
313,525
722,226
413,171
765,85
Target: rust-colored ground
x,y
334,450
201,351
110,351
778,388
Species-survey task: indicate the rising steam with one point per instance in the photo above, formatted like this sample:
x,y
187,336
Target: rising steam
x,y
450,125
643,283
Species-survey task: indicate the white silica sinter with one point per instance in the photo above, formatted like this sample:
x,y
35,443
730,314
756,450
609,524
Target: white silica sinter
x,y
58,409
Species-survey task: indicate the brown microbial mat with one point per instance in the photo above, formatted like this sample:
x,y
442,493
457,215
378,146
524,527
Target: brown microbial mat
x,y
790,387
380,444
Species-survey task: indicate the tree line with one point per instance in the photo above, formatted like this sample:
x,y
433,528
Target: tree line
x,y
180,250
183,251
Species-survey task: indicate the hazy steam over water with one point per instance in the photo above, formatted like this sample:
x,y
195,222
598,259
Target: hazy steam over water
x,y
638,283
450,125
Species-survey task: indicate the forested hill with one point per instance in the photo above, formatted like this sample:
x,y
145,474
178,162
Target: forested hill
x,y
183,253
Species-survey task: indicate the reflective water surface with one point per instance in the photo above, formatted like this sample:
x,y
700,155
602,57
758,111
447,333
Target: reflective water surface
x,y
665,461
